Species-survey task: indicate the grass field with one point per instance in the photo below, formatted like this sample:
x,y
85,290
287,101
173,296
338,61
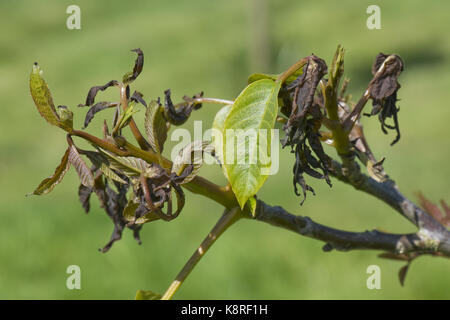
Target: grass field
x,y
191,46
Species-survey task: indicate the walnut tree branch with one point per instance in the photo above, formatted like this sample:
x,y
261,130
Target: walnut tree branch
x,y
340,240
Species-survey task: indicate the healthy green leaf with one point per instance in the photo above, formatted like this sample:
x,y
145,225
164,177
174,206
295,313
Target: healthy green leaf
x,y
156,126
252,114
42,96
251,205
218,133
259,76
48,184
147,295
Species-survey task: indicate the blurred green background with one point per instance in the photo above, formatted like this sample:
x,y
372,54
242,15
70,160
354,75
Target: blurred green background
x,y
213,46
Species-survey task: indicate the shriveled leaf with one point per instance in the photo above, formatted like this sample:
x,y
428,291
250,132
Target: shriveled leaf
x,y
190,156
254,110
147,295
179,113
97,108
130,166
138,65
402,274
48,184
84,173
138,97
84,194
443,216
43,98
156,126
90,99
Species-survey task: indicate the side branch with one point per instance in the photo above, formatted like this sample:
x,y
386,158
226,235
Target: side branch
x,y
388,192
344,240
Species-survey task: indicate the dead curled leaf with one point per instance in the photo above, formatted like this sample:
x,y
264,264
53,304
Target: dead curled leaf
x,y
383,90
302,127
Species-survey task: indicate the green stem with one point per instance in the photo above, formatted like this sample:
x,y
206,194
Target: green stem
x,y
198,185
227,219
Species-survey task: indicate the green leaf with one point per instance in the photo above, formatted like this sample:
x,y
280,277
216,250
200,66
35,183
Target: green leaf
x,y
42,96
147,295
48,184
125,118
217,134
251,205
130,209
43,100
84,173
255,109
156,126
259,76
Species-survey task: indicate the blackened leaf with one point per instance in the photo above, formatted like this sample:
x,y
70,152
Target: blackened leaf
x,y
84,193
385,82
96,108
138,65
178,114
84,173
156,126
383,90
90,99
305,88
138,97
402,273
48,184
42,97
